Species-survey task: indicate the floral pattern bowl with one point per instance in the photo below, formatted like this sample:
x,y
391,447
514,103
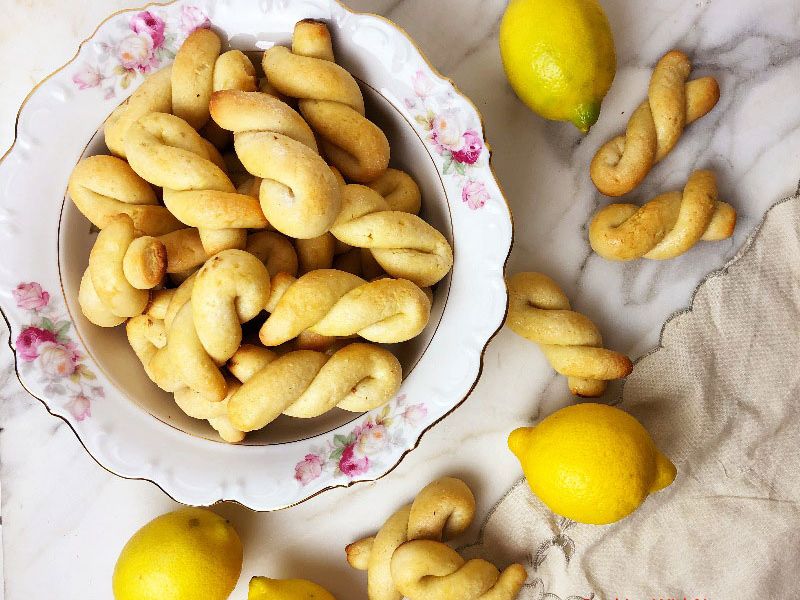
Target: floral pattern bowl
x,y
90,378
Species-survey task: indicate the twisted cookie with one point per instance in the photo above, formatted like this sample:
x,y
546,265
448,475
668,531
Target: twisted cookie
x,y
154,95
231,288
92,307
122,268
539,311
665,227
193,366
193,76
359,261
184,250
274,250
105,186
166,151
399,190
304,383
148,338
402,243
334,303
330,100
443,509
655,126
216,413
299,194
427,570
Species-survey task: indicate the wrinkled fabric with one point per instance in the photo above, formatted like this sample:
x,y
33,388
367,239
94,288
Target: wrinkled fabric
x,y
721,397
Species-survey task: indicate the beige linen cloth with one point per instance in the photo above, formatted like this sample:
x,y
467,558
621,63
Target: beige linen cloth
x,y
721,397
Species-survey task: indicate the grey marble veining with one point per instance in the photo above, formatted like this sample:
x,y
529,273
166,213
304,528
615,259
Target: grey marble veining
x,y
65,516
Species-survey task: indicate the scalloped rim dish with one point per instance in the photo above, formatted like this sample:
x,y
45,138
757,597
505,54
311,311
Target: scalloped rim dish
x,y
50,360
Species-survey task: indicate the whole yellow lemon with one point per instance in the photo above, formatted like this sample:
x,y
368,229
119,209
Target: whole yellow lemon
x,y
559,57
591,463
264,588
188,554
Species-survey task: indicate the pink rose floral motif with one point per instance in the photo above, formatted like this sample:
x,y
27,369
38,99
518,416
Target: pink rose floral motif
x,y
460,147
87,77
80,407
414,414
350,464
143,43
58,360
308,469
30,296
365,446
470,149
135,52
149,24
446,132
29,340
421,84
371,439
44,345
193,18
474,194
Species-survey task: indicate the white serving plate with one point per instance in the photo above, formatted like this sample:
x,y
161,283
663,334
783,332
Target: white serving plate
x,y
91,379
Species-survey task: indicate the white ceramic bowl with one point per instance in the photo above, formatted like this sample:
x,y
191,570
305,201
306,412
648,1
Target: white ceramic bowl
x,y
89,376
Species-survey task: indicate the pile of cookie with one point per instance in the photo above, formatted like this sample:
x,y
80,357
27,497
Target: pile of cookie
x,y
221,203
665,227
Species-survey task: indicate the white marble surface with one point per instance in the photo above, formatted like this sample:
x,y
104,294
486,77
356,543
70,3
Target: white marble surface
x,y
65,518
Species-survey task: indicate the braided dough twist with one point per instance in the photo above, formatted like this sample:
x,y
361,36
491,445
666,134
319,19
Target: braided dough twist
x,y
192,364
184,250
105,186
428,570
231,288
92,307
193,76
655,126
122,268
338,304
148,337
666,226
539,311
330,100
399,190
402,243
154,95
274,250
166,151
216,413
299,194
159,302
305,384
443,510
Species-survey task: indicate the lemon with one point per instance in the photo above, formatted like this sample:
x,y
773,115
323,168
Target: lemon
x,y
591,463
188,554
559,57
263,588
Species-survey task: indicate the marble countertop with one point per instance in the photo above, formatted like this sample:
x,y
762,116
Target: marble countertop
x,y
65,518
